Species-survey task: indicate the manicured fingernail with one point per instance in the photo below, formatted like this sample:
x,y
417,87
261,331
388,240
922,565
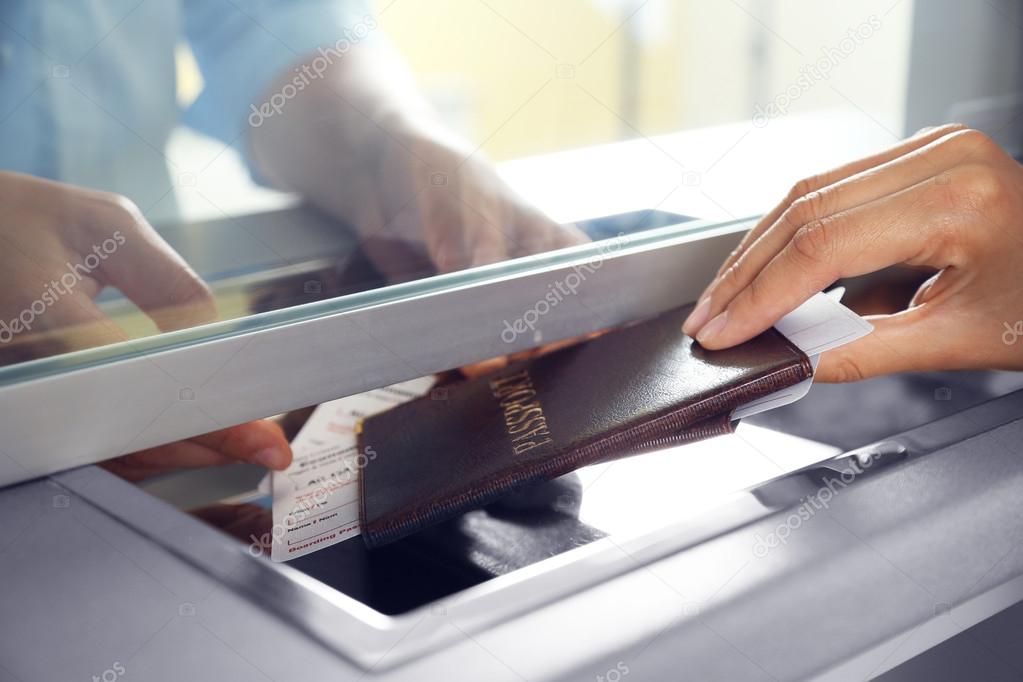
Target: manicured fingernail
x,y
697,318
271,458
713,328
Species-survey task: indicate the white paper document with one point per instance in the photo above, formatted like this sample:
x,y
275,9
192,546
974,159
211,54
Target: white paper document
x,y
821,324
316,499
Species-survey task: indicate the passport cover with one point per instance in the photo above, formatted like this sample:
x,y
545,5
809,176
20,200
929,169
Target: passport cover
x,y
642,387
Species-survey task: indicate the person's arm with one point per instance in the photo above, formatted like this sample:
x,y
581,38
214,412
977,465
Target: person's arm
x,y
318,102
362,143
949,198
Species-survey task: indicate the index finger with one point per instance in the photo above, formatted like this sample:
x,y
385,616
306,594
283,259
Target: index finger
x,y
850,243
130,255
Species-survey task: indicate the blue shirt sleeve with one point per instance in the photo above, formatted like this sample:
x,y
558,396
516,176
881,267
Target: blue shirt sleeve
x,y
244,47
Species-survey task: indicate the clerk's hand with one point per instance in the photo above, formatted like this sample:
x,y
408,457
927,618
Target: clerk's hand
x,y
260,442
59,246
421,198
362,144
948,198
433,192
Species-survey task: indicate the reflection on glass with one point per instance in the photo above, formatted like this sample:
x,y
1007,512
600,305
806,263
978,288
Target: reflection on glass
x,y
77,299
98,98
330,114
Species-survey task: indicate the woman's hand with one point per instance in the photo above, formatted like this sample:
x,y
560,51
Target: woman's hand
x,y
948,198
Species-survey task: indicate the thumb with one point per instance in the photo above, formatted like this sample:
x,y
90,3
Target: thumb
x,y
906,341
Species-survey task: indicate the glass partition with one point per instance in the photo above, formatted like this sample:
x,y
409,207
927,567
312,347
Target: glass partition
x,y
328,271
268,164
157,181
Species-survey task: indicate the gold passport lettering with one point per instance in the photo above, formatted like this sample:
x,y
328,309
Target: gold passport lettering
x,y
524,420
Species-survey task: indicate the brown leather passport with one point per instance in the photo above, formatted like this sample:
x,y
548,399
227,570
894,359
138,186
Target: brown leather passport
x,y
642,387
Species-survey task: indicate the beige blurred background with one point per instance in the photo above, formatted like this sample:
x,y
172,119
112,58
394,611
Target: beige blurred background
x,y
527,77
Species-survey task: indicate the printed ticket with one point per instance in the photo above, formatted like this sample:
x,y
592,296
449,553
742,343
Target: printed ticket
x,y
316,499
